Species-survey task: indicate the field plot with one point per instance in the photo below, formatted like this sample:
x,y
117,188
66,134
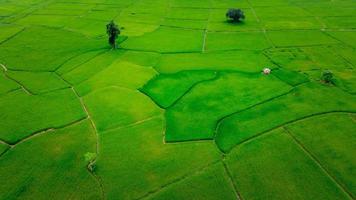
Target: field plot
x,y
181,109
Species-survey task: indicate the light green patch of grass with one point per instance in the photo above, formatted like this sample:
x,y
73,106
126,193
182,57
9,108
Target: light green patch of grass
x,y
167,40
330,139
35,113
45,51
280,12
291,77
51,164
297,38
208,184
165,89
277,168
45,20
102,14
132,29
78,60
348,22
226,26
196,114
186,23
346,79
92,67
298,104
69,6
143,17
119,73
283,23
244,61
230,4
323,10
88,27
147,59
265,3
38,82
192,3
135,159
236,41
307,58
347,37
188,13
114,107
8,31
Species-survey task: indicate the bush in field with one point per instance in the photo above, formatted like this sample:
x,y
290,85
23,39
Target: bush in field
x,y
90,158
235,15
327,76
113,32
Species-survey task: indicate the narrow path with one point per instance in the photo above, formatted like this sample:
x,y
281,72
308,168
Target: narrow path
x,y
16,81
96,177
228,173
133,124
41,132
317,161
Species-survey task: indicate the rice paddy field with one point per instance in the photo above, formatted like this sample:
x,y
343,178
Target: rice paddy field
x,y
180,110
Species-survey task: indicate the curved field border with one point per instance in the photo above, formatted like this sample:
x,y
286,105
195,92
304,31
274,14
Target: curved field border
x,y
285,124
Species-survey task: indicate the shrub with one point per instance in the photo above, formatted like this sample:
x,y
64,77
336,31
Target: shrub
x,y
235,15
327,76
90,158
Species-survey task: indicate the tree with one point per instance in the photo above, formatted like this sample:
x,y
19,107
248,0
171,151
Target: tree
x,y
113,32
90,158
327,76
235,15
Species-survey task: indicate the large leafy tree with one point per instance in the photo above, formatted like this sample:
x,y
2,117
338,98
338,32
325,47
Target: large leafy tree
x,y
235,15
113,32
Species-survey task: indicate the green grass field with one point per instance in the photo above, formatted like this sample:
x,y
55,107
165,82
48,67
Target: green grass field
x,y
181,109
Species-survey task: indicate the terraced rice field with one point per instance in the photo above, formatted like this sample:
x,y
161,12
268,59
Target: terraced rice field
x,y
181,109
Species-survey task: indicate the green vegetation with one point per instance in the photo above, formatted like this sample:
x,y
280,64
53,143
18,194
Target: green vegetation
x,y
113,32
181,109
235,15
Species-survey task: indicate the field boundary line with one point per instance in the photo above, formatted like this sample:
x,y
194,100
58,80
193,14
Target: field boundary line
x,y
133,124
228,173
316,160
284,124
180,97
96,177
96,134
250,107
12,36
217,75
40,133
16,81
177,180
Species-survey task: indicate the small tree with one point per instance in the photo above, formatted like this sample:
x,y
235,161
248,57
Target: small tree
x,y
235,15
113,32
327,76
90,158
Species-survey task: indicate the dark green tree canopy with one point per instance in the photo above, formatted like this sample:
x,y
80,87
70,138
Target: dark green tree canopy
x,y
235,15
327,76
113,32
